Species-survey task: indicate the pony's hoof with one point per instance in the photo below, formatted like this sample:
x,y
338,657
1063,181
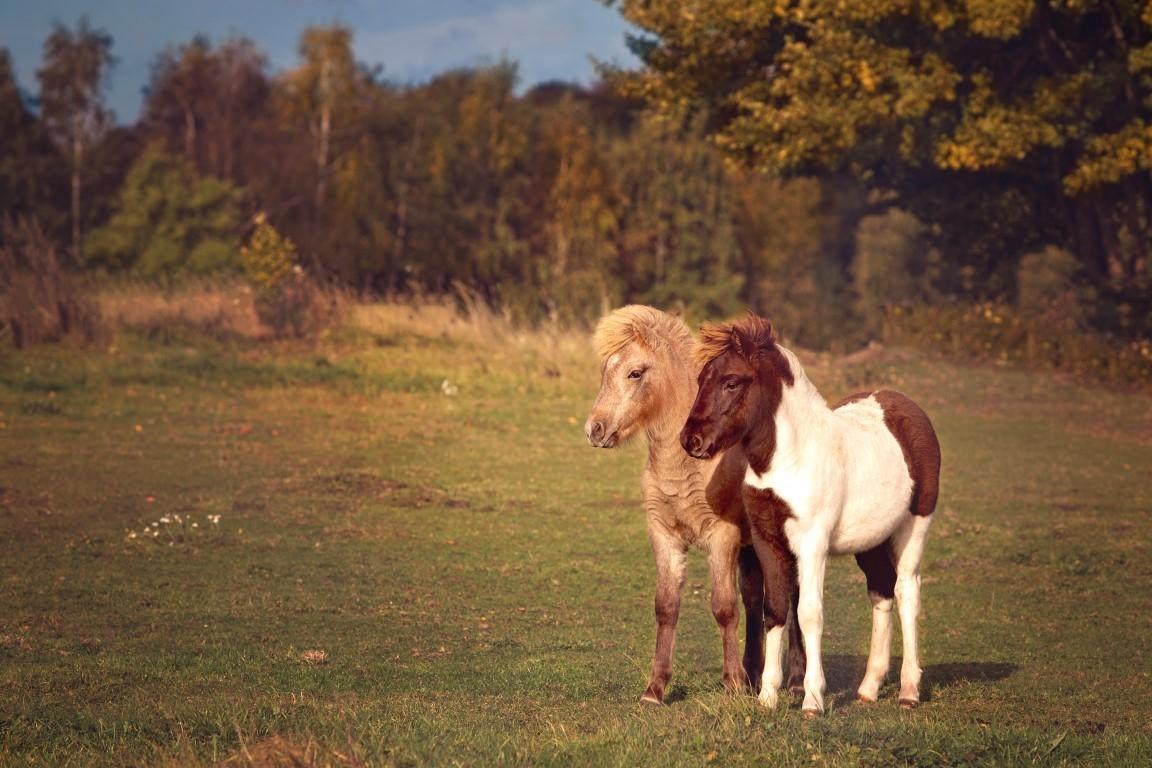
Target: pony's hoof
x,y
909,703
865,699
737,685
811,714
651,699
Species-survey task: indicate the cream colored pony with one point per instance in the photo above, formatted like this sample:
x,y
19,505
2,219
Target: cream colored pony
x,y
648,384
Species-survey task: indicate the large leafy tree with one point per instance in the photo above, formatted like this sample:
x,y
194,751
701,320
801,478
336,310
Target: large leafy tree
x,y
579,209
30,168
325,90
76,64
210,104
677,244
469,201
1003,124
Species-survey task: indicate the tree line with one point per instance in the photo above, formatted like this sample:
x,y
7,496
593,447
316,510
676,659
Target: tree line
x,y
822,168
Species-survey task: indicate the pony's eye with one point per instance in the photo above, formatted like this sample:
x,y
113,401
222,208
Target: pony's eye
x,y
731,385
635,375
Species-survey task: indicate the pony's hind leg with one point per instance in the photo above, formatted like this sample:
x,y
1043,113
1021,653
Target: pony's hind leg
x,y
881,575
908,548
670,557
752,593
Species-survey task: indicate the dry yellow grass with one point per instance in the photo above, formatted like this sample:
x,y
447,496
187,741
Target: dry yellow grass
x,y
217,307
228,308
475,325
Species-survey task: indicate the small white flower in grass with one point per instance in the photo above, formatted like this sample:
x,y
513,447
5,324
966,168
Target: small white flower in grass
x,y
195,525
448,388
165,519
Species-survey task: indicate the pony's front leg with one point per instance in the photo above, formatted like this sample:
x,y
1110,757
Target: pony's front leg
x,y
669,552
812,559
779,568
752,593
723,552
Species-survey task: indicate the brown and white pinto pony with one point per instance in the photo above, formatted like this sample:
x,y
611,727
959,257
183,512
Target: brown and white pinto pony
x,y
648,382
861,478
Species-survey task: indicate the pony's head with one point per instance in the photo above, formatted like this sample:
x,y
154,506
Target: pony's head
x,y
643,351
742,380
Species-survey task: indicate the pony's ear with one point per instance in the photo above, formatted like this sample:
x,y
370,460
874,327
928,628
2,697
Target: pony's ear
x,y
642,334
753,336
744,344
760,329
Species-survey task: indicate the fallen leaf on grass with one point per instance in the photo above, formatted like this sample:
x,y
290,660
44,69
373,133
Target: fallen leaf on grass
x,y
314,657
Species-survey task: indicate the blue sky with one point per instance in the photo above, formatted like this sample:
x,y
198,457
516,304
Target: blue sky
x,y
412,39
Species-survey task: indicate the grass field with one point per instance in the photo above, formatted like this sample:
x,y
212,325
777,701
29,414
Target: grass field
x,y
393,547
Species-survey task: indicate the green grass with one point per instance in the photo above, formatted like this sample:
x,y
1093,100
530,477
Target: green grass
x,y
479,579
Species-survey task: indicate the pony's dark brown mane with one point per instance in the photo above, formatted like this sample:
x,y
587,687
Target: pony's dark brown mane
x,y
747,338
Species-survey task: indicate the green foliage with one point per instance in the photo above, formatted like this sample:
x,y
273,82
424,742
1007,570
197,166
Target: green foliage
x,y
537,204
210,104
1050,289
893,265
269,258
913,151
31,173
286,300
784,230
76,63
679,247
997,332
168,222
969,113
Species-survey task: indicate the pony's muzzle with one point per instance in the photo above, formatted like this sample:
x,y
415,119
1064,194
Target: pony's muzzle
x,y
597,434
693,443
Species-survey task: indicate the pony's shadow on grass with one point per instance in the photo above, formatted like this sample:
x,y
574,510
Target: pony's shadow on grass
x,y
843,674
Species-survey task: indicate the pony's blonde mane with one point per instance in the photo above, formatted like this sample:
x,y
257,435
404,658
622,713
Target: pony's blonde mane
x,y
638,324
743,337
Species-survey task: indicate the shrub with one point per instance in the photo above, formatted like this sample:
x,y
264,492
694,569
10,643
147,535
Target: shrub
x,y
997,332
39,301
287,301
1048,289
893,264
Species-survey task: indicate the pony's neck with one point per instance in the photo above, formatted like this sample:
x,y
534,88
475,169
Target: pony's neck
x,y
665,454
798,421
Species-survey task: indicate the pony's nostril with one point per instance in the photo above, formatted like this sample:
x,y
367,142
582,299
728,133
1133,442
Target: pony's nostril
x,y
597,430
694,444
